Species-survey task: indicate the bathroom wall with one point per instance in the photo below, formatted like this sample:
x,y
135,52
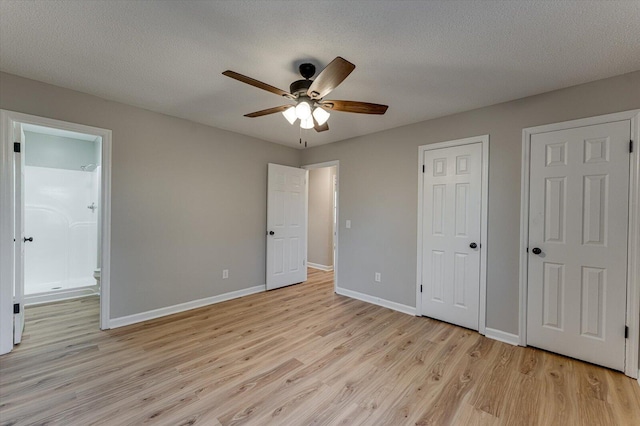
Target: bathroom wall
x,y
63,253
58,194
58,151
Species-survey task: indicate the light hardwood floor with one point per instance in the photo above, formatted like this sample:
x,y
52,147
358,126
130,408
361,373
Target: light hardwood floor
x,y
294,356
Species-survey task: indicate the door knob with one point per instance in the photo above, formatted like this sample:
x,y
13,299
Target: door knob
x,y
473,245
30,239
271,233
536,250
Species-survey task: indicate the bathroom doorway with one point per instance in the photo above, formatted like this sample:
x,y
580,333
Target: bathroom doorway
x,y
57,188
61,214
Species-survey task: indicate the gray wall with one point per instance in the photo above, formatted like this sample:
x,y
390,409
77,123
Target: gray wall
x,y
58,152
187,200
379,190
321,216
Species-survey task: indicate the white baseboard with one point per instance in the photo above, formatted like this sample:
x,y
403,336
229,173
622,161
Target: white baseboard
x,y
319,266
59,295
502,336
181,307
405,309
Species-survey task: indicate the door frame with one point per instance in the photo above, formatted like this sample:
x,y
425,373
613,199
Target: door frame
x,y
337,227
633,249
484,221
7,211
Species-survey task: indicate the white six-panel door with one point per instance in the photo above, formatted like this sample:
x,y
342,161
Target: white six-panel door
x,y
451,210
578,220
286,226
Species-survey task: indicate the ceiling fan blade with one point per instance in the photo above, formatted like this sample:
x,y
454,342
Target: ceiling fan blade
x,y
354,106
268,111
330,77
319,128
255,83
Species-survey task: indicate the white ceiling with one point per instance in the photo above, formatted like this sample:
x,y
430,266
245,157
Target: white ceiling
x,y
424,59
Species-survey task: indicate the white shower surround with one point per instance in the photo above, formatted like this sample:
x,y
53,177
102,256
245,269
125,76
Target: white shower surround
x,y
63,254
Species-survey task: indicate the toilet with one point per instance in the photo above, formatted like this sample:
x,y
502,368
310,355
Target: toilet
x,y
96,275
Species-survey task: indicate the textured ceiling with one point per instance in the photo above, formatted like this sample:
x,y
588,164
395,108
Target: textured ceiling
x,y
423,59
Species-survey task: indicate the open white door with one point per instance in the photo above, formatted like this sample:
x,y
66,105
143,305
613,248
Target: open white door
x,y
19,237
286,226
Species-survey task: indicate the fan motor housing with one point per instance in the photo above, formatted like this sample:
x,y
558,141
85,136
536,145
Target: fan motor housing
x,y
299,87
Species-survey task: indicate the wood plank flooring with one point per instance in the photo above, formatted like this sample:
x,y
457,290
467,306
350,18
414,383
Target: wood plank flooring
x,y
301,355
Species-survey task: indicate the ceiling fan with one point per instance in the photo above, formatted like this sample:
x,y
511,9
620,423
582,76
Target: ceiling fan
x,y
310,106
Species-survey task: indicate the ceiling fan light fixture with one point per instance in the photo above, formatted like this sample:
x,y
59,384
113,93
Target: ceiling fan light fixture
x,y
303,110
290,114
309,95
321,115
307,123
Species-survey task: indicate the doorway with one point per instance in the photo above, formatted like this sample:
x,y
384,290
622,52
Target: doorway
x,y
61,211
578,284
55,196
452,231
322,253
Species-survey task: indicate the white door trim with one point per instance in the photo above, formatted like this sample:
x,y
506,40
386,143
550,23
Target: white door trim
x,y
7,214
633,268
484,139
336,242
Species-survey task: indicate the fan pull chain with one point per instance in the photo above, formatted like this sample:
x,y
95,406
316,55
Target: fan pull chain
x,y
300,138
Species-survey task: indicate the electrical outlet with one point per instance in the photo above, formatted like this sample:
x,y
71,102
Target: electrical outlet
x,y
348,224
225,274
377,277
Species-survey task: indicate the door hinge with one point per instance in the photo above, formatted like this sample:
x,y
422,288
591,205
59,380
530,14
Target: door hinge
x,y
420,288
626,331
16,147
630,146
16,308
423,168
304,262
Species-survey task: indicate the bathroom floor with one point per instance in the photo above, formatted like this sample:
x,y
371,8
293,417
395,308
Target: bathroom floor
x,y
55,293
55,286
